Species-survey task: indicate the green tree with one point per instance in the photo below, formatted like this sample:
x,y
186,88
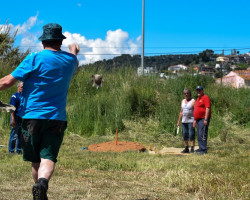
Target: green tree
x,y
241,66
9,55
206,55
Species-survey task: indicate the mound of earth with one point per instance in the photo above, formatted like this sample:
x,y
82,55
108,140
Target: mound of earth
x,y
120,147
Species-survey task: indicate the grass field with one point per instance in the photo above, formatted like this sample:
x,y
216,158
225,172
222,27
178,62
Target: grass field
x,y
145,110
221,174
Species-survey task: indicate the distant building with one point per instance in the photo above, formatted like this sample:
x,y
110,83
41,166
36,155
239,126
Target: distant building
x,y
207,70
238,59
222,59
177,68
221,67
246,57
217,66
140,71
236,79
147,71
162,75
233,67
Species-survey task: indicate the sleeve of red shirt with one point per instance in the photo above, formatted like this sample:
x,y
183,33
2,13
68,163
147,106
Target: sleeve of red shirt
x,y
207,102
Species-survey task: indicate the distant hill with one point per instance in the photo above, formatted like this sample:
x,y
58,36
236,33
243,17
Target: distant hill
x,y
161,62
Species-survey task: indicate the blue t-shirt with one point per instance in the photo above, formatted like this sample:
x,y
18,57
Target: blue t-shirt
x,y
46,77
15,101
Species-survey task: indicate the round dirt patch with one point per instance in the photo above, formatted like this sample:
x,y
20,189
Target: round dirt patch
x,y
120,147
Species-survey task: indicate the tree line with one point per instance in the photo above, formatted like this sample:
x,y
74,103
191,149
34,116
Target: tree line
x,y
161,62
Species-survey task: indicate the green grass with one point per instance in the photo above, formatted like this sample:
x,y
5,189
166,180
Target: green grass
x,y
221,174
145,110
125,96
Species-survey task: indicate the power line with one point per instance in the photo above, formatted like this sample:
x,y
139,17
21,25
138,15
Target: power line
x,y
155,53
159,53
149,47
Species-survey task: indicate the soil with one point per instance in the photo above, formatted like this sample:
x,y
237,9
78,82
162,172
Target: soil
x,y
119,147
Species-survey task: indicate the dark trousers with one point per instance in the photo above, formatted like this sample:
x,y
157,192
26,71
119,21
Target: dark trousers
x,y
202,132
15,137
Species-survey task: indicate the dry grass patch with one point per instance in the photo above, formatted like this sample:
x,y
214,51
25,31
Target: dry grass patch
x,y
221,174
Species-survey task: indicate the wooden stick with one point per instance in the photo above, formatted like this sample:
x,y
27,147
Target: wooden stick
x,y
116,137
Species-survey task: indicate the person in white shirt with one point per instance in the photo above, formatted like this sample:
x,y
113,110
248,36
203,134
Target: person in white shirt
x,y
186,115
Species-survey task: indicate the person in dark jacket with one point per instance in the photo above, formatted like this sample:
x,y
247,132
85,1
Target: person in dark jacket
x,y
15,122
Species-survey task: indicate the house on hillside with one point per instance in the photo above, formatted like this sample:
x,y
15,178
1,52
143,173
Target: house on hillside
x,y
177,68
222,59
146,71
238,59
162,75
142,71
207,70
236,79
247,57
233,67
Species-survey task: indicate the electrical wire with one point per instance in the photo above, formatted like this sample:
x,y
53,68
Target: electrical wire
x,y
152,53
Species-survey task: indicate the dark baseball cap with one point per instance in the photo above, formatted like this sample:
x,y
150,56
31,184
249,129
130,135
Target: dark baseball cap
x,y
199,87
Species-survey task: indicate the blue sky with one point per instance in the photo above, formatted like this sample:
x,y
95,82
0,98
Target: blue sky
x,y
108,28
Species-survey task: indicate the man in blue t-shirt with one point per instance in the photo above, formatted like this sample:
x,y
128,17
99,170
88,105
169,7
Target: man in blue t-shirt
x,y
46,77
15,122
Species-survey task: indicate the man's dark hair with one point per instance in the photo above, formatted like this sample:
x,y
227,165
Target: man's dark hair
x,y
52,42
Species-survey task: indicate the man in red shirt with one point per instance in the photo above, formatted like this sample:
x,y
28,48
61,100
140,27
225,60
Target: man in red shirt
x,y
202,115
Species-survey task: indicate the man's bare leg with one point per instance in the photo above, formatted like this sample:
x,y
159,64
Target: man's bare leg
x,y
42,173
34,170
46,169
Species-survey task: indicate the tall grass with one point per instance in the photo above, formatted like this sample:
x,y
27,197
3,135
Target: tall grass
x,y
126,96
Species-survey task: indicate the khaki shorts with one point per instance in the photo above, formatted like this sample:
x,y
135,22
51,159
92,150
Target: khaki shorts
x,y
41,138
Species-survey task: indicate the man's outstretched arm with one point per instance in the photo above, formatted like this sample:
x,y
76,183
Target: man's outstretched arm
x,y
7,81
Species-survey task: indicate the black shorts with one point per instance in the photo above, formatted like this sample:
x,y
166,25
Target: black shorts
x,y
42,138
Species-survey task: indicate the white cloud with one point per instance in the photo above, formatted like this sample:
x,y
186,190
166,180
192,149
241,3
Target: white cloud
x,y
22,30
26,26
30,42
116,43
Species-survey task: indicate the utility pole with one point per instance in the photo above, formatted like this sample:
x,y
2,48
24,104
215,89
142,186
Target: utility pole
x,y
143,17
221,72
